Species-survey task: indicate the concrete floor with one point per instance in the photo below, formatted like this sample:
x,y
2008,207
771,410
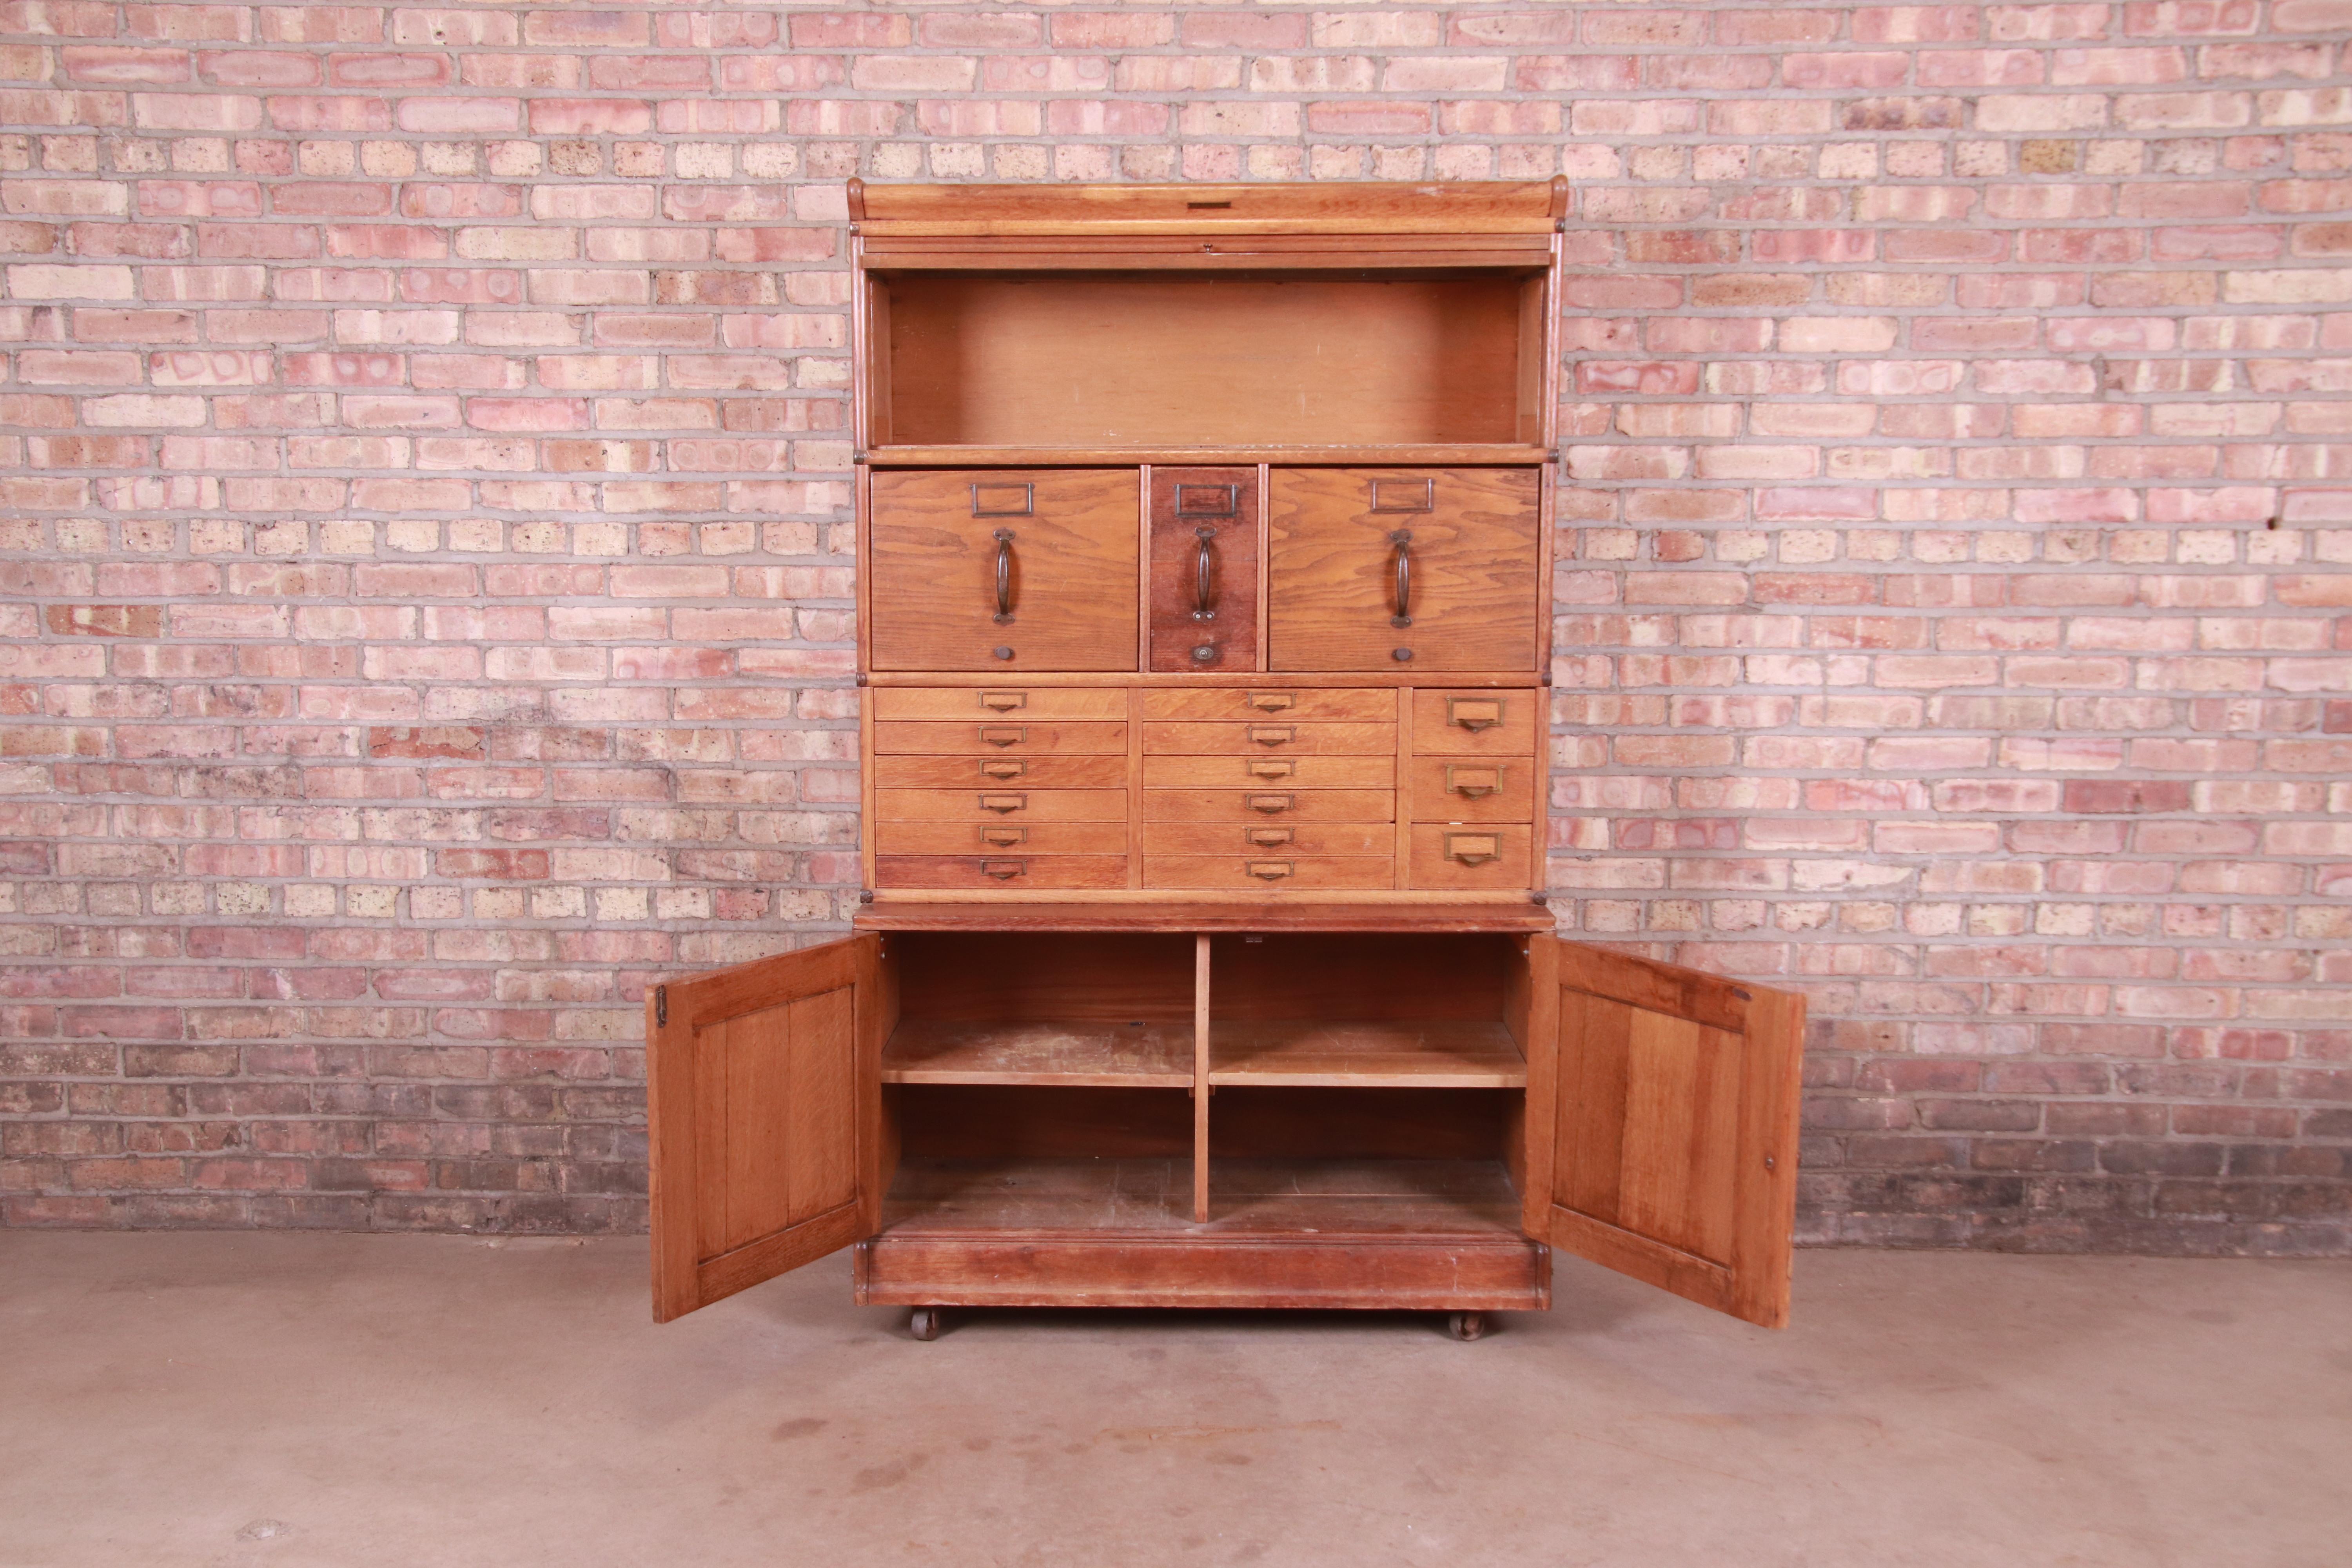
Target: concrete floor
x,y
345,1400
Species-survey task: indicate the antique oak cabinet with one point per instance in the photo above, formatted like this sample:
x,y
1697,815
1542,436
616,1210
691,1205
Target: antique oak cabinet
x,y
1203,621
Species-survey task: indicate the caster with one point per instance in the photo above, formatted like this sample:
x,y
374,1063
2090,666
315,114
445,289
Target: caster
x,y
1466,1326
924,1323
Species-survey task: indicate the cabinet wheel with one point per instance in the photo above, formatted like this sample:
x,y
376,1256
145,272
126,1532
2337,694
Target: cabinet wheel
x,y
923,1323
1466,1326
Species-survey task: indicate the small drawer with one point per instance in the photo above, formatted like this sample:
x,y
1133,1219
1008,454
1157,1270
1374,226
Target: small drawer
x,y
984,702
1311,703
1009,871
1269,805
1475,724
1270,739
1281,771
1010,737
1448,789
988,772
1016,837
1472,857
1014,804
1276,838
1272,871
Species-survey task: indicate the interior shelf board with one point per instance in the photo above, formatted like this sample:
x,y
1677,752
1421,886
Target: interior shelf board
x,y
1064,1054
1324,1200
1378,1054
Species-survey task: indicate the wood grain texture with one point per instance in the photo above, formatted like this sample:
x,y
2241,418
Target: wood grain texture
x,y
1011,802
1194,359
1469,208
965,455
1493,856
1286,838
999,703
1310,979
1272,737
1007,976
1457,723
1064,1055
1279,771
1473,789
1186,503
1271,869
1011,736
1376,1054
991,771
1276,802
1512,915
1268,704
1008,869
1024,837
1331,565
1072,584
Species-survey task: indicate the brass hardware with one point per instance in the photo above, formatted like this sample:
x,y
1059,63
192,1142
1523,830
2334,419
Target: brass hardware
x,y
1475,783
1271,768
1270,870
1403,540
661,1004
1003,735
1474,713
1267,837
1272,803
1215,500
1003,871
997,501
1003,702
1003,577
1003,768
1204,576
1004,803
1273,701
997,835
1398,495
1273,734
1474,849
1205,654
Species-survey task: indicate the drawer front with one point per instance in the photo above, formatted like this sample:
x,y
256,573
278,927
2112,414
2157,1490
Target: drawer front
x,y
1003,569
1012,737
1276,838
1402,569
1272,871
1272,738
1472,858
1205,543
1447,789
1269,805
1012,871
992,773
1273,704
1281,771
1475,724
1015,804
1016,837
980,704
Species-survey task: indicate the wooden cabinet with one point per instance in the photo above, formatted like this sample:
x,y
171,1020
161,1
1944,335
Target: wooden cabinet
x,y
1203,958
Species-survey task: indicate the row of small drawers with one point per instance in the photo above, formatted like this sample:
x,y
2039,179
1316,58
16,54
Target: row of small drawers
x,y
1464,723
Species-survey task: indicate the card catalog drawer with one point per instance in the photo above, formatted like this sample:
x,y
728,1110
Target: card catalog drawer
x,y
1012,871
1470,857
1270,870
984,703
1269,805
1475,724
1021,836
1277,838
1270,738
1447,789
1286,772
1006,737
1323,704
1001,804
989,772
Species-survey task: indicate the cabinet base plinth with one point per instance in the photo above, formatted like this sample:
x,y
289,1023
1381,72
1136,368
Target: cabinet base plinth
x,y
1444,1274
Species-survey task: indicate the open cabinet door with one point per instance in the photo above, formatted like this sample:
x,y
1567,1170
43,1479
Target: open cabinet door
x,y
763,1087
1662,1126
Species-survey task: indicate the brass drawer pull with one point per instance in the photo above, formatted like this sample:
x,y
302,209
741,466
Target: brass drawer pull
x,y
1003,702
1273,701
1269,871
1003,768
1474,713
1272,768
1269,837
1474,782
1403,540
1004,803
1003,735
1003,871
1003,577
1274,734
1207,501
1271,805
1474,849
1003,837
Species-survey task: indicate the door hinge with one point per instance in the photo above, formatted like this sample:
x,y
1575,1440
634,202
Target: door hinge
x,y
661,1007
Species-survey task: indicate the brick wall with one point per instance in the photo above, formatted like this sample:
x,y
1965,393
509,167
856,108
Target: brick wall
x,y
428,564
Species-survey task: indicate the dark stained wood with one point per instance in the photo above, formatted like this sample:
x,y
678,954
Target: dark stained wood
x,y
1388,915
1193,509
1524,207
1331,568
933,551
1028,1123
1339,1123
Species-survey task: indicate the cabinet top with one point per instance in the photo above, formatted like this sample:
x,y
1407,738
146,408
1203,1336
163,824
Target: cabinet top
x,y
1486,207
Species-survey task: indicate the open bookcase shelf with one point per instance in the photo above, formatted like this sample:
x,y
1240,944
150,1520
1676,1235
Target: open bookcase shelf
x,y
1052,1054
1377,1054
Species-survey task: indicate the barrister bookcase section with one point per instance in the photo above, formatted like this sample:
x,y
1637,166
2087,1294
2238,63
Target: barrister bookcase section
x,y
1201,959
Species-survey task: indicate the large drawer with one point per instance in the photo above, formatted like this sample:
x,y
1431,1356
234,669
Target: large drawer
x,y
1475,724
1324,704
1289,772
1284,838
1272,737
1269,805
1447,789
986,702
1013,871
1273,871
1006,737
1471,858
990,773
1001,804
1021,838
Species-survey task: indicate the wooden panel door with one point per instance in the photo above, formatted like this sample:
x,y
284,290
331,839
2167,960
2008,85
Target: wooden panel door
x,y
764,1110
1203,569
1003,569
1662,1125
1402,569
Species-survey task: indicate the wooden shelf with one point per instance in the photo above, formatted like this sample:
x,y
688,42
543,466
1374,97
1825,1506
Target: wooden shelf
x,y
1170,914
1383,1054
1081,1056
1455,455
